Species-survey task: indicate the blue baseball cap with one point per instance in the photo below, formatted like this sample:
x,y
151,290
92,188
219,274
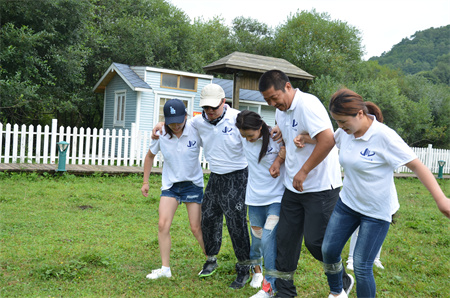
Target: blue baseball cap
x,y
174,111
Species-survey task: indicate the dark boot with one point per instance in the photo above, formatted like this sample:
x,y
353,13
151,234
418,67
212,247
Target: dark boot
x,y
243,276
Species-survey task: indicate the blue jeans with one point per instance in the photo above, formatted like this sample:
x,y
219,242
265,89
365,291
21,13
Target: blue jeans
x,y
266,245
372,232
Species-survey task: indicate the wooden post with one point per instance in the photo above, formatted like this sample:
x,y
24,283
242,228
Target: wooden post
x,y
236,87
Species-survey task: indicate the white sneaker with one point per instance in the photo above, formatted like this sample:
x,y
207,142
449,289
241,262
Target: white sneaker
x,y
157,273
377,263
261,294
257,280
350,264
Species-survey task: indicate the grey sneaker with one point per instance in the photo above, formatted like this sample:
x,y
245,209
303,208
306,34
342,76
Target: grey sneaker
x,y
240,281
208,268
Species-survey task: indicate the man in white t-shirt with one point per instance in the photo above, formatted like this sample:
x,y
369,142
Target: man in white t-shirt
x,y
312,177
225,191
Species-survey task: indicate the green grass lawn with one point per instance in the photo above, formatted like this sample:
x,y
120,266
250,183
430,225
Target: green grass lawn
x,y
96,236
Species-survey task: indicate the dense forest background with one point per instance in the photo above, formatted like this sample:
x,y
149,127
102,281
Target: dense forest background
x,y
52,53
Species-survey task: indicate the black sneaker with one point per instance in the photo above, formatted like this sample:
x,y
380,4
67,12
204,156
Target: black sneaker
x,y
208,268
348,282
241,280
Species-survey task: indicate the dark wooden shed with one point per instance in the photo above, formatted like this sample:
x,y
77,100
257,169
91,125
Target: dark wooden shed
x,y
248,68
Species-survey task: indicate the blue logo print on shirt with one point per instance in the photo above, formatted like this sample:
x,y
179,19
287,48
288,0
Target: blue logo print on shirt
x,y
191,144
367,153
294,125
227,130
270,150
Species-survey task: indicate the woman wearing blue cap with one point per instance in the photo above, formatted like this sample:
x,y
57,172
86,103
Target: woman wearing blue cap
x,y
180,145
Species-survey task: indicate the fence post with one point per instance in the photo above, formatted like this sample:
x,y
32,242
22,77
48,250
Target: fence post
x,y
30,144
15,142
429,157
133,143
54,134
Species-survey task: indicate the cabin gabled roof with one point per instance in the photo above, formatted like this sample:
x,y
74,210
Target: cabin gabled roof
x,y
135,82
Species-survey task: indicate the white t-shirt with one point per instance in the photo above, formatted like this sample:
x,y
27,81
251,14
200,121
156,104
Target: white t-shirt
x,y
222,143
307,115
369,163
181,157
262,189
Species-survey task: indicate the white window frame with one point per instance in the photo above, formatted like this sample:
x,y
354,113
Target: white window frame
x,y
179,77
120,100
247,106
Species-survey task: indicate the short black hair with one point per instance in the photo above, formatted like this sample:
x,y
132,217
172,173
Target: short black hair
x,y
273,78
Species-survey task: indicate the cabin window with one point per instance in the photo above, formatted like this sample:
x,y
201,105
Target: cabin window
x,y
253,108
178,82
162,102
119,108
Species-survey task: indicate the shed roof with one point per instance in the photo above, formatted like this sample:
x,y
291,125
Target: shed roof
x,y
126,73
238,61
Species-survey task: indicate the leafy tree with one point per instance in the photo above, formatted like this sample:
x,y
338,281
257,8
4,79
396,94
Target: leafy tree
x,y
251,36
435,99
78,41
23,74
318,45
60,27
442,69
210,41
405,109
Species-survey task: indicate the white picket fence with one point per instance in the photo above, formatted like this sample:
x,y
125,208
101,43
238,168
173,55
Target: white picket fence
x,y
117,147
87,146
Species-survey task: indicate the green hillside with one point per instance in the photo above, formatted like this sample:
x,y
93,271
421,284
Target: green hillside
x,y
426,52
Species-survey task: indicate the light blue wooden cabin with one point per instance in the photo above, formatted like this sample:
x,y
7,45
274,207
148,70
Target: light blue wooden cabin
x,y
137,94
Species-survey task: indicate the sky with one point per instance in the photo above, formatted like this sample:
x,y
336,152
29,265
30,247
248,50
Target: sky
x,y
382,23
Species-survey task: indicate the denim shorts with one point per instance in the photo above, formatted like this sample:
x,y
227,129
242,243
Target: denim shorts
x,y
184,192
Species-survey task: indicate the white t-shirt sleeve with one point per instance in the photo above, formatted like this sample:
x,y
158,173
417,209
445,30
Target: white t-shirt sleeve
x,y
154,145
338,137
315,116
397,152
195,121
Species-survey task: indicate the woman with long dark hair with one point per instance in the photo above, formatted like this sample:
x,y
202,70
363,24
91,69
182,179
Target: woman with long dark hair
x,y
263,195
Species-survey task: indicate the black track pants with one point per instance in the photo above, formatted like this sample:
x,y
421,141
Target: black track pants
x,y
225,195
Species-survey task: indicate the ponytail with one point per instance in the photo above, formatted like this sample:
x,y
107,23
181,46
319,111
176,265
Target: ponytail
x,y
346,102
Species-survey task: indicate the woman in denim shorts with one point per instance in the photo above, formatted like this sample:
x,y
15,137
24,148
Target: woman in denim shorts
x,y
182,178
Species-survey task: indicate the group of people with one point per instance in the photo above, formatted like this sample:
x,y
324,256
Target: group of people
x,y
289,177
